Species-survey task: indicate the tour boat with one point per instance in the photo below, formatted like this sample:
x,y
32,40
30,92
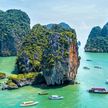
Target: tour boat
x,y
43,93
29,103
56,97
98,90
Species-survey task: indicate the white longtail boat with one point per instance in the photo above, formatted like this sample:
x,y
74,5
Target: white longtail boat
x,y
29,103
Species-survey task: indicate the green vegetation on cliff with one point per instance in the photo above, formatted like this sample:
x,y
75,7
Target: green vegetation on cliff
x,y
18,80
98,40
46,50
30,55
14,26
20,77
32,49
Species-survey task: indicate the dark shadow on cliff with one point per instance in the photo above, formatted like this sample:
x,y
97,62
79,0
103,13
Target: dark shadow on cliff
x,y
44,86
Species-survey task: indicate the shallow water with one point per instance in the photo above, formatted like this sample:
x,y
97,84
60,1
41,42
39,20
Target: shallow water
x,y
7,64
75,96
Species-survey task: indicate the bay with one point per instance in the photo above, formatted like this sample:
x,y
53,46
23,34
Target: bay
x,y
75,96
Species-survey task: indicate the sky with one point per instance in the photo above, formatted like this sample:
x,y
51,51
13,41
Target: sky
x,y
81,15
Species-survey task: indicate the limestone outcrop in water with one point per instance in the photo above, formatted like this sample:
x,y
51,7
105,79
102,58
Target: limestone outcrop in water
x,y
14,26
98,40
53,51
2,75
15,81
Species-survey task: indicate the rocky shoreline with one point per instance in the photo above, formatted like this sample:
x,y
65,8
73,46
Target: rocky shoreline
x,y
29,79
17,81
2,75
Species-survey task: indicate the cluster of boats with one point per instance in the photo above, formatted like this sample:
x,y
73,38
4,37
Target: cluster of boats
x,y
31,103
98,90
97,67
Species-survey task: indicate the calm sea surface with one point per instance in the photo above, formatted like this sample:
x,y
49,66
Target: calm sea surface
x,y
75,96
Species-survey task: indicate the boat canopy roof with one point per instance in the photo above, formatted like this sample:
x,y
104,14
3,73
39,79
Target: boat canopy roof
x,y
98,88
28,102
54,95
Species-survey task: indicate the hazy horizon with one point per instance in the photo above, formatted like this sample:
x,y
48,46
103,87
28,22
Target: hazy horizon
x,y
80,15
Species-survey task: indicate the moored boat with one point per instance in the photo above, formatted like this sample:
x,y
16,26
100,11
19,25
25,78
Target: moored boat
x,y
29,103
43,93
86,68
98,90
88,60
55,97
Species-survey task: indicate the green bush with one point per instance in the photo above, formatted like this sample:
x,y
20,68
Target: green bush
x,y
20,77
10,83
2,75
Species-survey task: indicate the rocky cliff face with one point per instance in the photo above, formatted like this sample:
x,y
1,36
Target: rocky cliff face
x,y
98,40
74,61
60,60
51,50
14,26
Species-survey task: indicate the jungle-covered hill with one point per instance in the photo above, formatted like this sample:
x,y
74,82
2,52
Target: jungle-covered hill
x,y
98,40
52,50
14,26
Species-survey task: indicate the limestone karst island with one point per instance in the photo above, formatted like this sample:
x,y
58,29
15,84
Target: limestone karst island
x,y
53,54
98,39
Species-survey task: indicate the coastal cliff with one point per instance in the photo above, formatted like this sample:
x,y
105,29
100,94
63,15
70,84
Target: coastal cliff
x,y
14,26
74,61
52,50
98,40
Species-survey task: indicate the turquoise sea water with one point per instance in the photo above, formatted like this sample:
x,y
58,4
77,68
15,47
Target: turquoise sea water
x,y
75,96
7,64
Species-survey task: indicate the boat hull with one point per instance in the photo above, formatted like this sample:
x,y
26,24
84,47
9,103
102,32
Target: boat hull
x,y
25,105
43,93
60,98
98,92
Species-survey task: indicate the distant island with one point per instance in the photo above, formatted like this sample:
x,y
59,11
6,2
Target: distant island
x,y
14,26
45,53
98,40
